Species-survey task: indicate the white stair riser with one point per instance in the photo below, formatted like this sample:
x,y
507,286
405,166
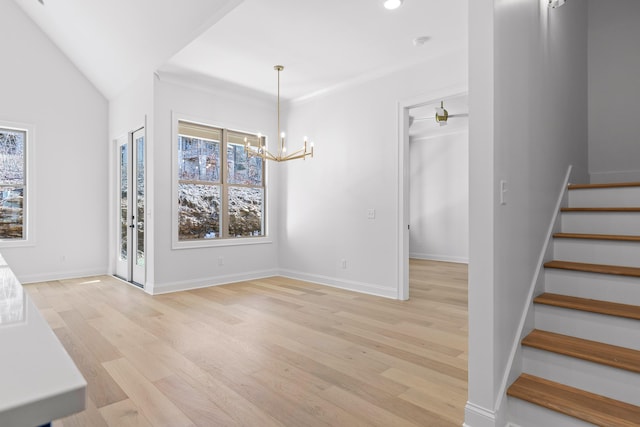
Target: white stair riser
x,y
605,287
590,326
605,197
597,251
525,414
588,376
624,223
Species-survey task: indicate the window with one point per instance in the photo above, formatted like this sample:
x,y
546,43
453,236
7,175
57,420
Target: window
x,y
13,184
221,190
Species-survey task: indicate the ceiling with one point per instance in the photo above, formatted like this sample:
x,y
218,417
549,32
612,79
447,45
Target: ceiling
x,y
322,44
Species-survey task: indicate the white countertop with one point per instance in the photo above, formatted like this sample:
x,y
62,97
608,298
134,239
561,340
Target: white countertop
x,y
39,382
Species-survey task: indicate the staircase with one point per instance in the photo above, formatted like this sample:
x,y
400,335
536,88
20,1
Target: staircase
x,y
581,363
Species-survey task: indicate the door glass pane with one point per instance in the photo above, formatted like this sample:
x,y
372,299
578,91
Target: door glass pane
x,y
140,200
198,211
123,202
246,207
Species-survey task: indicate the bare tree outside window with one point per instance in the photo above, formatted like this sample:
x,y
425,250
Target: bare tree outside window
x,y
12,183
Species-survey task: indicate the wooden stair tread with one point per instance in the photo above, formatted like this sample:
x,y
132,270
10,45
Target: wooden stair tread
x,y
592,351
590,407
594,268
617,237
610,185
591,305
604,209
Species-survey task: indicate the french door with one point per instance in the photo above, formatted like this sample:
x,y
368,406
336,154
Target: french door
x,y
130,264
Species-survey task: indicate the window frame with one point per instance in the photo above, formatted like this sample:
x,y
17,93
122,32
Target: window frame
x,y
28,203
225,239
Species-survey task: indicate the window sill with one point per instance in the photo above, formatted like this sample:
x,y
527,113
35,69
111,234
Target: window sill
x,y
5,244
221,242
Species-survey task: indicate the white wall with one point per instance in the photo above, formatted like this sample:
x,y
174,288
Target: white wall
x,y
355,168
40,86
614,91
528,112
176,269
439,197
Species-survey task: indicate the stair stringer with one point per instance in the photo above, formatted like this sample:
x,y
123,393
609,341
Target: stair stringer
x,y
514,364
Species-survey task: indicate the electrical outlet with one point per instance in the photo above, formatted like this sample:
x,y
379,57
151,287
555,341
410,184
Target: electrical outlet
x,y
371,214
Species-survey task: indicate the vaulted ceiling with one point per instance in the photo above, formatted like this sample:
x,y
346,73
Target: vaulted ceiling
x,y
322,44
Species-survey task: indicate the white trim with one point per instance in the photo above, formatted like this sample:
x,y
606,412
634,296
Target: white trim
x,y
29,204
214,243
430,136
213,86
437,257
185,285
46,277
349,285
532,288
402,217
113,225
477,416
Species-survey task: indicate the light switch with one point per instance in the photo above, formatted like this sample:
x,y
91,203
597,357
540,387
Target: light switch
x,y
371,214
503,192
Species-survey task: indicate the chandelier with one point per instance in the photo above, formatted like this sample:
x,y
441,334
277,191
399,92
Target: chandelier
x,y
281,156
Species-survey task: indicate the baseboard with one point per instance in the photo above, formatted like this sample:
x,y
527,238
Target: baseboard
x,y
477,416
205,282
47,277
184,285
436,257
614,176
349,285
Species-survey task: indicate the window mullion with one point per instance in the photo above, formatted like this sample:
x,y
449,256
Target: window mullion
x,y
224,205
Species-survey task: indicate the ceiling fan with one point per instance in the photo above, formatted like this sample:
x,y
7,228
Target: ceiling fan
x,y
442,115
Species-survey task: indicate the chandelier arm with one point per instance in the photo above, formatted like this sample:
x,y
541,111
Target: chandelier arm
x,y
268,155
300,156
302,150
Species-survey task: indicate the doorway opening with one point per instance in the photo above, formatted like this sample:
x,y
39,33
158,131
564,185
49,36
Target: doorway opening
x,y
131,208
434,193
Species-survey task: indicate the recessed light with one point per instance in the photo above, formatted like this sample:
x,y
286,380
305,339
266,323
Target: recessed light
x,y
392,4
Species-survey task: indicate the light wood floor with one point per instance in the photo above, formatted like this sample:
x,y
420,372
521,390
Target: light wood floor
x,y
271,352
